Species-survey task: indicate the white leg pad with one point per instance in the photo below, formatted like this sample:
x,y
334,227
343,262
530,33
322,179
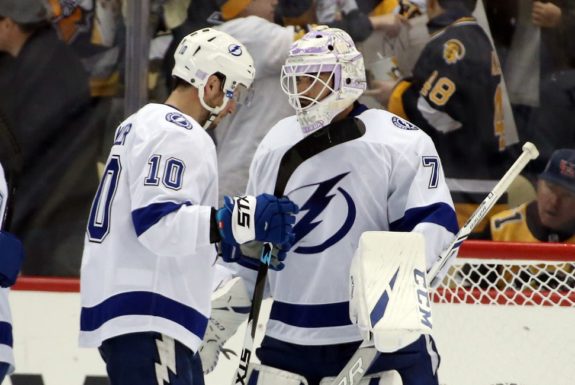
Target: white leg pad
x,y
266,375
383,378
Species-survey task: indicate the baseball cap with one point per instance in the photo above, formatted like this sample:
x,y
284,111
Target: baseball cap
x,y
561,169
24,11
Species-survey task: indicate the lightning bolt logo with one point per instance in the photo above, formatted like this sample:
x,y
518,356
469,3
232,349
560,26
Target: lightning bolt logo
x,y
167,354
314,206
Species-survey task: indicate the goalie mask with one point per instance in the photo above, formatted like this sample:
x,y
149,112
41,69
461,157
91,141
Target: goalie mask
x,y
210,52
329,51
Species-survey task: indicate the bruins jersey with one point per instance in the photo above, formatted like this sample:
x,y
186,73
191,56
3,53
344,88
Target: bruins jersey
x,y
455,96
521,224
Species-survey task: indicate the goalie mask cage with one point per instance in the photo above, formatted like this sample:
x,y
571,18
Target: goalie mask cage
x,y
505,315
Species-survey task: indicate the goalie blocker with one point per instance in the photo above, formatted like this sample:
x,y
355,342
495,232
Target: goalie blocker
x,y
389,296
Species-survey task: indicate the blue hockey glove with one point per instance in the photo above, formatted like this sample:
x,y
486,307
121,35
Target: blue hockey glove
x,y
264,218
11,257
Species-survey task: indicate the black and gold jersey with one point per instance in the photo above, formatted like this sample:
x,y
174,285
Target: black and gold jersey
x,y
455,96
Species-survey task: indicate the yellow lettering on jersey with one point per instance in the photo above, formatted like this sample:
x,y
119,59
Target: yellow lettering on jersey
x,y
495,66
499,118
428,83
442,91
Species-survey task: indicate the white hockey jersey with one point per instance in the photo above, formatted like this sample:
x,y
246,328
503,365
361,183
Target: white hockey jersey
x,y
389,179
148,262
6,340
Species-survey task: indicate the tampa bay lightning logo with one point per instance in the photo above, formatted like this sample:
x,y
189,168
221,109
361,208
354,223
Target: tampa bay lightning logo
x,y
235,49
179,119
403,124
314,206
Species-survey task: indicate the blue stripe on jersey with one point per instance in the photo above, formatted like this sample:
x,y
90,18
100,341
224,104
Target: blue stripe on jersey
x,y
311,316
6,334
439,213
145,217
143,303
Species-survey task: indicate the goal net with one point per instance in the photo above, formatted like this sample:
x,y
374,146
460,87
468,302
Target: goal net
x,y
505,315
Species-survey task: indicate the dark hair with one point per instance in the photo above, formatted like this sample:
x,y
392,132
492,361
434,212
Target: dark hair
x,y
178,82
34,26
467,4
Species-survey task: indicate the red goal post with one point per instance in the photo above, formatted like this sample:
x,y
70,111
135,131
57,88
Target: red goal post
x,y
505,314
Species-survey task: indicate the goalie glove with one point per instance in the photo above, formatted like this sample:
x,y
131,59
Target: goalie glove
x,y
230,307
264,218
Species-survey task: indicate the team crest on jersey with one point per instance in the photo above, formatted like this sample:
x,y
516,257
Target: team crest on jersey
x,y
235,50
179,120
453,51
403,124
324,193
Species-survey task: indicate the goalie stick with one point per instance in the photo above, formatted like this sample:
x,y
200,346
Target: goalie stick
x,y
313,144
366,354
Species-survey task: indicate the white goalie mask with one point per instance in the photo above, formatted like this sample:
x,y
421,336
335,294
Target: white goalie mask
x,y
207,52
327,50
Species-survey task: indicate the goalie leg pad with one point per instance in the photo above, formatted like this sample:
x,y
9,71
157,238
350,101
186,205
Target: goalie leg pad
x,y
267,375
230,307
381,378
389,296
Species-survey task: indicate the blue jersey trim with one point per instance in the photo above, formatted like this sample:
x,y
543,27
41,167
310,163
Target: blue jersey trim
x,y
6,334
311,316
439,213
145,217
143,303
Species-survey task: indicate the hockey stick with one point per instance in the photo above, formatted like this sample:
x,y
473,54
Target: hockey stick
x,y
366,354
530,152
326,137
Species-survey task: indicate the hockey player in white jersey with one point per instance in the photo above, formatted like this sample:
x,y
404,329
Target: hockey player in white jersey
x,y
149,253
11,256
361,170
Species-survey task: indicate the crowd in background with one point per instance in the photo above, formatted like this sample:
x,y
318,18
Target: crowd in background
x,y
62,87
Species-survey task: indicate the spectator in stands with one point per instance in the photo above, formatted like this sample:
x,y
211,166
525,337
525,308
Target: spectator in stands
x,y
346,16
46,99
548,218
454,95
534,41
251,22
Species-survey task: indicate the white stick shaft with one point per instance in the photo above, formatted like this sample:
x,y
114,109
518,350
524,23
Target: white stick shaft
x,y
529,152
356,367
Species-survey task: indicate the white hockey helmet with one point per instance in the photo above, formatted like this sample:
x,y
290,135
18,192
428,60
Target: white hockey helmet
x,y
207,52
323,50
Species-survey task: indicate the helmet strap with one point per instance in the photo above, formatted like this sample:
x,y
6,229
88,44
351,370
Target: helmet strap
x,y
214,111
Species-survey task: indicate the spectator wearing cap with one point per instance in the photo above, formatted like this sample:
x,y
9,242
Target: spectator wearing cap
x,y
548,218
46,100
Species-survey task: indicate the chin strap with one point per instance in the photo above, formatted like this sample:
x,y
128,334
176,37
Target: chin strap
x,y
209,121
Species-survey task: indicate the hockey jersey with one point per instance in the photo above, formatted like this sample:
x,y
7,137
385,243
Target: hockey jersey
x,y
6,340
148,261
389,178
522,224
455,96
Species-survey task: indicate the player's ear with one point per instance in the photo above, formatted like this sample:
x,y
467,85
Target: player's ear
x,y
213,85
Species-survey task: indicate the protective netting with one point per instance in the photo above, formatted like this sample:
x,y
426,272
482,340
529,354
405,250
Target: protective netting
x,y
505,315
522,283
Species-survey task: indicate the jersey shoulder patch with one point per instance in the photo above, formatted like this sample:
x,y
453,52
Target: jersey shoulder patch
x,y
403,124
179,119
453,51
